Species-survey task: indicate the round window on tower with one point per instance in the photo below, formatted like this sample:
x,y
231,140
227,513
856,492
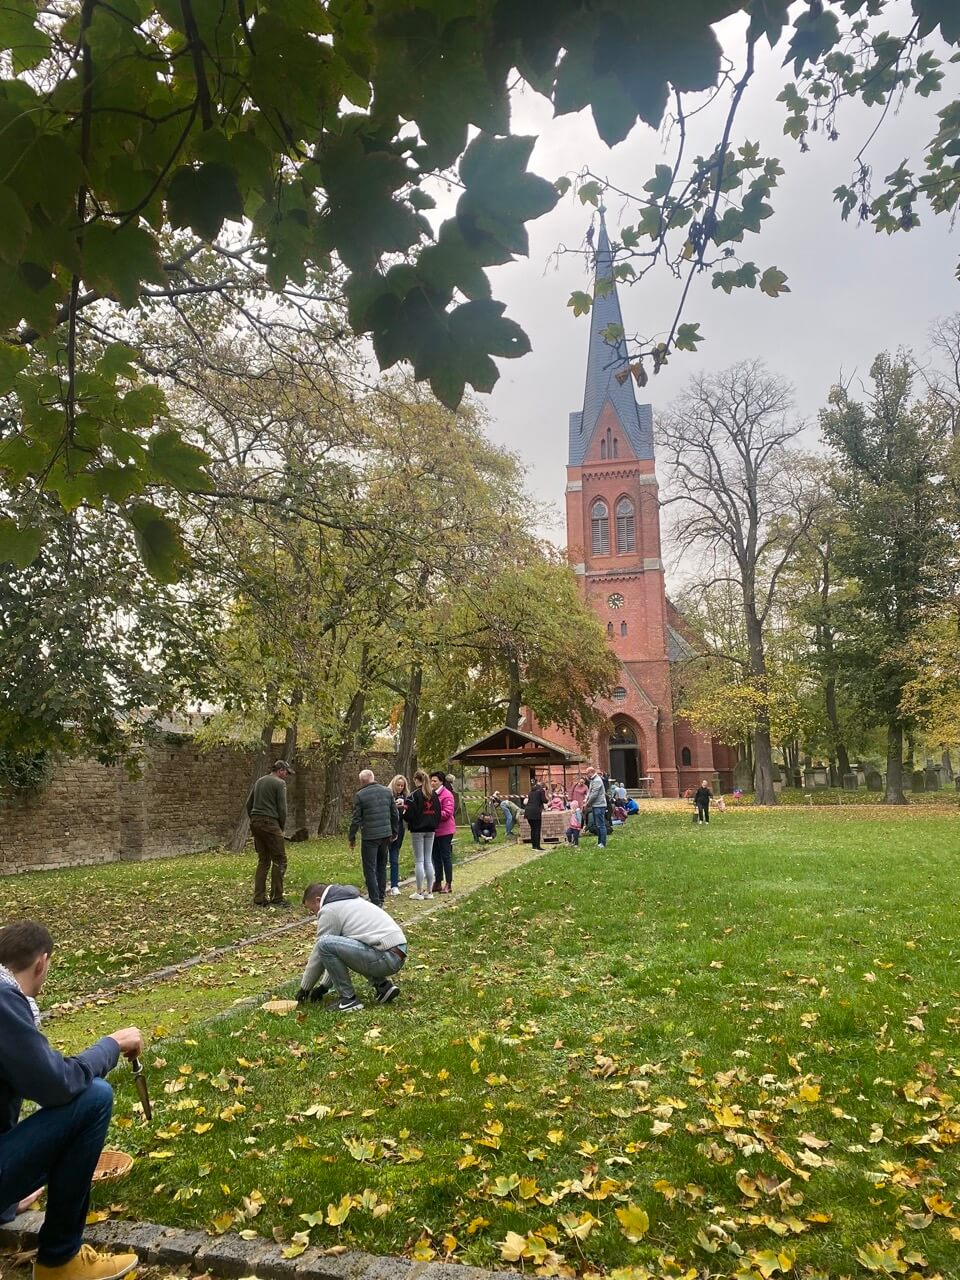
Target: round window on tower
x,y
619,694
615,601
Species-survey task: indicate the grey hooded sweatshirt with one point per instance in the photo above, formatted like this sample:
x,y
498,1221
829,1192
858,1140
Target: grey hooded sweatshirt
x,y
344,913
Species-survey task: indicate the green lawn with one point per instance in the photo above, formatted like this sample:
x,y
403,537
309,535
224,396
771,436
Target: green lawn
x,y
124,919
736,1044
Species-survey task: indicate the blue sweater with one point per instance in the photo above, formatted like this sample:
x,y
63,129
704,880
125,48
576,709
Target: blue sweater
x,y
30,1068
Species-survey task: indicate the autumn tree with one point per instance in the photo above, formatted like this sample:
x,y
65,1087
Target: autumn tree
x,y
743,499
896,542
520,636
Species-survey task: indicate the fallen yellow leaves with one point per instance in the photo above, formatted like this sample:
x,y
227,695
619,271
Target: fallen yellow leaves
x,y
634,1222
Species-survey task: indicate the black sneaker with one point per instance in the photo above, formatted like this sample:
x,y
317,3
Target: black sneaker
x,y
351,1005
279,902
387,993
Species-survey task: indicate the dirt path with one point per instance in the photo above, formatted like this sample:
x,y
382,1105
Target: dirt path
x,y
201,988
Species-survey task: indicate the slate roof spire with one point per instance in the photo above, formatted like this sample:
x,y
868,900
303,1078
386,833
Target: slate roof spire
x,y
603,363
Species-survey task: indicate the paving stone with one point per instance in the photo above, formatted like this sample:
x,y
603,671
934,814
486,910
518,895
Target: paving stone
x,y
231,1257
316,1265
449,1271
177,1248
386,1268
125,1237
24,1227
272,1265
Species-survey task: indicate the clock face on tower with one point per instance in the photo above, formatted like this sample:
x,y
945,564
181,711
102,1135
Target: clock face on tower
x,y
615,601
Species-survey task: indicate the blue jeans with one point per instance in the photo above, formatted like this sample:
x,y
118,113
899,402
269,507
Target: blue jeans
x,y
600,826
57,1147
395,859
340,955
507,821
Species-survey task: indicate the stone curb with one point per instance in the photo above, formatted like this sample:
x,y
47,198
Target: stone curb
x,y
230,1257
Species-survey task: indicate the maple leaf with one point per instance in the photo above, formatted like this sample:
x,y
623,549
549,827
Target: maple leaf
x,y
634,1222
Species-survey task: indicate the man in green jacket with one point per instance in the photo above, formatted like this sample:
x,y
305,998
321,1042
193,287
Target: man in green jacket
x,y
267,807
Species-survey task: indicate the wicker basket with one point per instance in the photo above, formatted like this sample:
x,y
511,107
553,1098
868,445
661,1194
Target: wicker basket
x,y
279,1006
112,1164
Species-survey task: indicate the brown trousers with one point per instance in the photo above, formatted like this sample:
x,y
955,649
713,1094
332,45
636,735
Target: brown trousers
x,y
272,856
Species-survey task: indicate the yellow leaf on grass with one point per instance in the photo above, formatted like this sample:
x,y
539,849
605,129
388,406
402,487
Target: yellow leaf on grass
x,y
476,1224
768,1262
202,1128
337,1213
423,1250
884,1258
634,1222
555,1136
97,1215
936,1204
527,1188
513,1247
578,1227
222,1222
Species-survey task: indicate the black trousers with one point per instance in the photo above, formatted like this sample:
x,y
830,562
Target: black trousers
x,y
535,826
703,811
442,861
373,857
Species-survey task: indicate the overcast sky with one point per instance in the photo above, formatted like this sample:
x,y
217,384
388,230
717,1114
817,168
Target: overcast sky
x,y
854,292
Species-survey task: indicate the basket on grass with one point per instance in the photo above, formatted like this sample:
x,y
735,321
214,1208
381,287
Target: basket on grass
x,y
112,1164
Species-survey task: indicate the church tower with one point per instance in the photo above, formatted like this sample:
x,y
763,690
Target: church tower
x,y
613,544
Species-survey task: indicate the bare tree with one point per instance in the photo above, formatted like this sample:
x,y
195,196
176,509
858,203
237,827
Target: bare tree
x,y
744,500
943,382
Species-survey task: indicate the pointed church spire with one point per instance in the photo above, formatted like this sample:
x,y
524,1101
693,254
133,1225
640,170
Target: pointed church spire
x,y
604,361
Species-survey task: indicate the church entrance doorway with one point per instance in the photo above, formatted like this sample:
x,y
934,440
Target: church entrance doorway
x,y
625,756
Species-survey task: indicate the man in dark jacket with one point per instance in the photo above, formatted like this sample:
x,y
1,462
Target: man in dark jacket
x,y
57,1146
267,807
375,816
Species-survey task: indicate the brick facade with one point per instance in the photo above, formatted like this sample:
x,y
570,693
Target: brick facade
x,y
185,800
613,544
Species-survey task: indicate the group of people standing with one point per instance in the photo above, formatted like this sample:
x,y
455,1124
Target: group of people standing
x,y
382,816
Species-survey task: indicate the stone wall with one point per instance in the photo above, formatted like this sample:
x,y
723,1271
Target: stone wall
x,y
184,800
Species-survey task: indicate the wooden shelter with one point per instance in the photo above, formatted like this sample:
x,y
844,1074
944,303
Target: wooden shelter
x,y
511,757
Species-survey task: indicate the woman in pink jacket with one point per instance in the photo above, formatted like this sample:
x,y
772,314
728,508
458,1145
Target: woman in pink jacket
x,y
443,839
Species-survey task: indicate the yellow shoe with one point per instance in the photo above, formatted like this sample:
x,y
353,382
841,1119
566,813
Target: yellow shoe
x,y
89,1265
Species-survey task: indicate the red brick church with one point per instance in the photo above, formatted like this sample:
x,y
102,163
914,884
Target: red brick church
x,y
613,544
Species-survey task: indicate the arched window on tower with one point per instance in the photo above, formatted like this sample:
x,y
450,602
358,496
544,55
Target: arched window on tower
x,y
609,628
626,528
616,447
609,443
603,450
685,756
623,628
600,528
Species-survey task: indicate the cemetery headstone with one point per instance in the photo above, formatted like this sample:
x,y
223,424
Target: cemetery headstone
x,y
874,780
850,782
918,780
808,780
931,779
742,776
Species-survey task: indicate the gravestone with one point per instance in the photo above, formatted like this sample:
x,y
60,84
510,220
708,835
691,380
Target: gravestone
x,y
918,780
742,776
796,778
821,776
850,782
874,780
808,780
931,778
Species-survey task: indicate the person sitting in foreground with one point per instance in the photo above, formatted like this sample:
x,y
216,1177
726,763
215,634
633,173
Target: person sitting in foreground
x,y
484,828
352,934
58,1146
631,806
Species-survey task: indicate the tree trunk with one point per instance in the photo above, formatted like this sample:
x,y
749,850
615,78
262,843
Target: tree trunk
x,y
406,760
261,765
516,695
947,763
332,793
910,762
894,793
835,776
763,792
830,699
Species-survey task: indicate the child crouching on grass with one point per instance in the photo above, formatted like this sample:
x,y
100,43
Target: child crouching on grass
x,y
576,823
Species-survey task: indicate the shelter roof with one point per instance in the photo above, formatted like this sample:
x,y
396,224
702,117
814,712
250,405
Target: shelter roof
x,y
514,746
